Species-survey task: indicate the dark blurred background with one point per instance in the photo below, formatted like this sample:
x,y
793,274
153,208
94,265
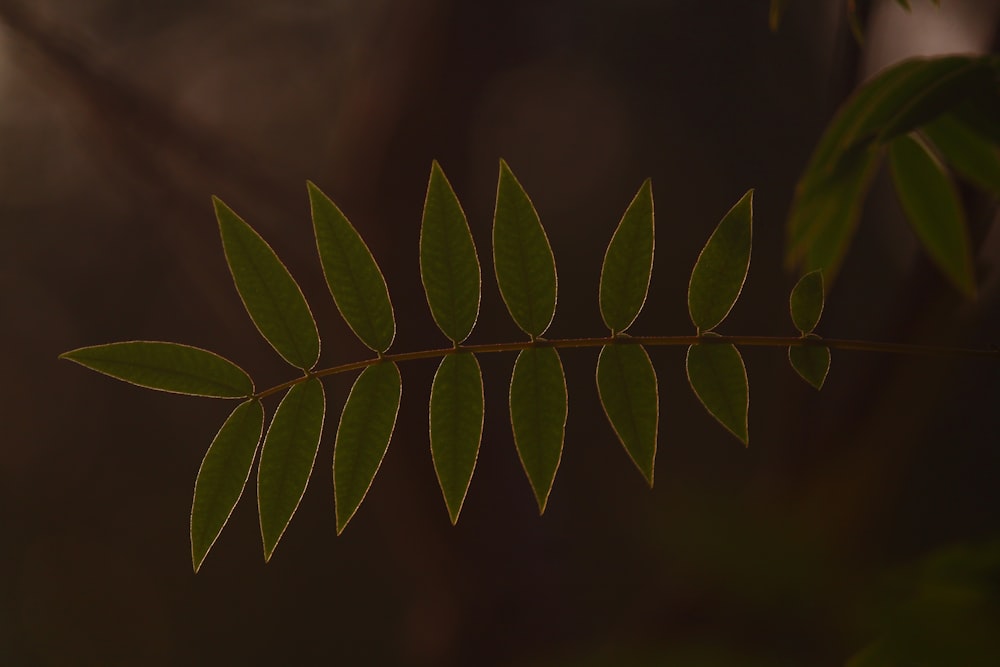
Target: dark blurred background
x,y
858,517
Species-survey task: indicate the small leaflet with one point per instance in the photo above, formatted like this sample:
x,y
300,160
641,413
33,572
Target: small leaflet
x,y
718,378
223,476
366,426
934,210
353,276
721,269
270,294
170,367
287,458
522,257
626,383
628,263
449,265
456,426
538,408
973,155
806,301
811,362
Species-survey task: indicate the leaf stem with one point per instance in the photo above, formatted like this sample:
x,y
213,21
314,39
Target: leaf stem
x,y
650,341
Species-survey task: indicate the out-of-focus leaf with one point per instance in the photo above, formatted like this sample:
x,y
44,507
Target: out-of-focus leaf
x,y
522,257
718,378
905,4
777,11
626,382
449,266
366,426
456,416
287,458
972,155
172,367
223,475
352,274
811,362
933,209
806,301
271,296
721,269
628,263
538,408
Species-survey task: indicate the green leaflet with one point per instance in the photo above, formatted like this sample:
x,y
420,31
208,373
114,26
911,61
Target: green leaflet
x,y
353,276
366,425
721,269
626,382
223,475
811,362
628,263
538,408
933,209
172,367
522,257
287,458
806,301
449,266
718,377
974,156
456,425
271,296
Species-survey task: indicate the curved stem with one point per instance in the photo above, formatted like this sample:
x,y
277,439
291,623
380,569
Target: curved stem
x,y
651,341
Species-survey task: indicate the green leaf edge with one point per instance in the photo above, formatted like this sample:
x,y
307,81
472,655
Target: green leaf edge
x,y
798,372
646,189
807,325
656,430
746,380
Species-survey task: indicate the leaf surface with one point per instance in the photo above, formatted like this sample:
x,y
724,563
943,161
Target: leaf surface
x,y
811,362
628,263
522,257
449,265
974,156
287,458
626,382
171,367
271,296
721,269
806,301
223,476
353,276
933,209
718,377
456,425
538,408
366,426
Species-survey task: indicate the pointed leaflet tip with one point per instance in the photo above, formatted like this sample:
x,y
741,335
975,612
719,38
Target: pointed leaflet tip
x,y
352,274
718,275
628,263
366,426
522,257
718,378
811,362
538,408
271,296
223,475
805,303
449,265
626,384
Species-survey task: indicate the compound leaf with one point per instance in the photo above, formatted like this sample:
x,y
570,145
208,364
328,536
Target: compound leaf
x,y
626,382
171,367
456,425
628,263
449,265
721,269
538,408
353,276
718,377
271,296
366,425
933,209
522,257
287,458
223,475
806,301
974,156
811,362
